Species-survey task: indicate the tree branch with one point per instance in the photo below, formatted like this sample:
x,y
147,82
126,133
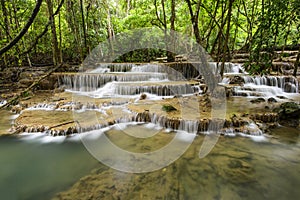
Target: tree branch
x,y
44,31
24,30
14,100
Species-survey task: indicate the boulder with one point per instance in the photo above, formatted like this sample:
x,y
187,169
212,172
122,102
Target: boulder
x,y
258,100
237,80
25,82
289,114
143,96
272,100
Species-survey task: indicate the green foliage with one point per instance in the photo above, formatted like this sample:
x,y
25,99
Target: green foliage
x,y
26,94
254,27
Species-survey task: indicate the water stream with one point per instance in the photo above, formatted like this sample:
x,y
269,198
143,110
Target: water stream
x,y
39,166
34,166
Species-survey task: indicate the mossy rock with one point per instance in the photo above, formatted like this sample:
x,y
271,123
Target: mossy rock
x,y
289,107
168,108
258,100
289,113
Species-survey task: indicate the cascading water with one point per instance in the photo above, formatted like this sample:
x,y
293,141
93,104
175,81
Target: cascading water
x,y
149,68
92,82
229,68
268,86
286,83
129,79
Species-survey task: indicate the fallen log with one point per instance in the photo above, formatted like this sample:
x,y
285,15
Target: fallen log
x,y
14,100
62,124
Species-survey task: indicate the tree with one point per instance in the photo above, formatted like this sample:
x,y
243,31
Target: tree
x,y
55,50
194,16
225,46
24,30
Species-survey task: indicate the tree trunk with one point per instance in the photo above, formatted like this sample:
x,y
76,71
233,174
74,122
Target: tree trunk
x,y
24,30
110,31
211,25
221,41
128,7
14,100
171,51
194,19
44,31
225,46
55,50
83,28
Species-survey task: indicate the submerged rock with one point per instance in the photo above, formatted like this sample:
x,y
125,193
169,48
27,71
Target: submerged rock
x,y
258,100
237,80
272,100
143,96
289,109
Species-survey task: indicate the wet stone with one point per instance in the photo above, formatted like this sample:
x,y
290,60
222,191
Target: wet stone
x,y
258,100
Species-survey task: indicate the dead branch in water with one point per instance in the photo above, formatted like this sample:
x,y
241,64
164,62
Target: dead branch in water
x,y
65,123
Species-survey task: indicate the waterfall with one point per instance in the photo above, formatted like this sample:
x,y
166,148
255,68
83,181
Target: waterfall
x,y
113,67
229,68
128,79
160,90
149,68
91,82
288,84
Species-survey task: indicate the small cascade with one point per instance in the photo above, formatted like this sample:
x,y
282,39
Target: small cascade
x,y
129,79
43,106
91,82
265,86
154,68
113,67
229,68
286,83
190,126
160,90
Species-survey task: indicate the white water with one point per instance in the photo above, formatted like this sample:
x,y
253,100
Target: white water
x,y
266,86
229,68
3,102
149,68
286,84
130,81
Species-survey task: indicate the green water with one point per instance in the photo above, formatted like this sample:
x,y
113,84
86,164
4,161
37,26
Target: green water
x,y
236,168
31,170
39,167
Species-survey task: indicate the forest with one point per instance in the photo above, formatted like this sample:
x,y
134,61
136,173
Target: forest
x,y
50,32
149,99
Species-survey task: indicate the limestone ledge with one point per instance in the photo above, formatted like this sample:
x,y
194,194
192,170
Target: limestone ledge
x,y
254,124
